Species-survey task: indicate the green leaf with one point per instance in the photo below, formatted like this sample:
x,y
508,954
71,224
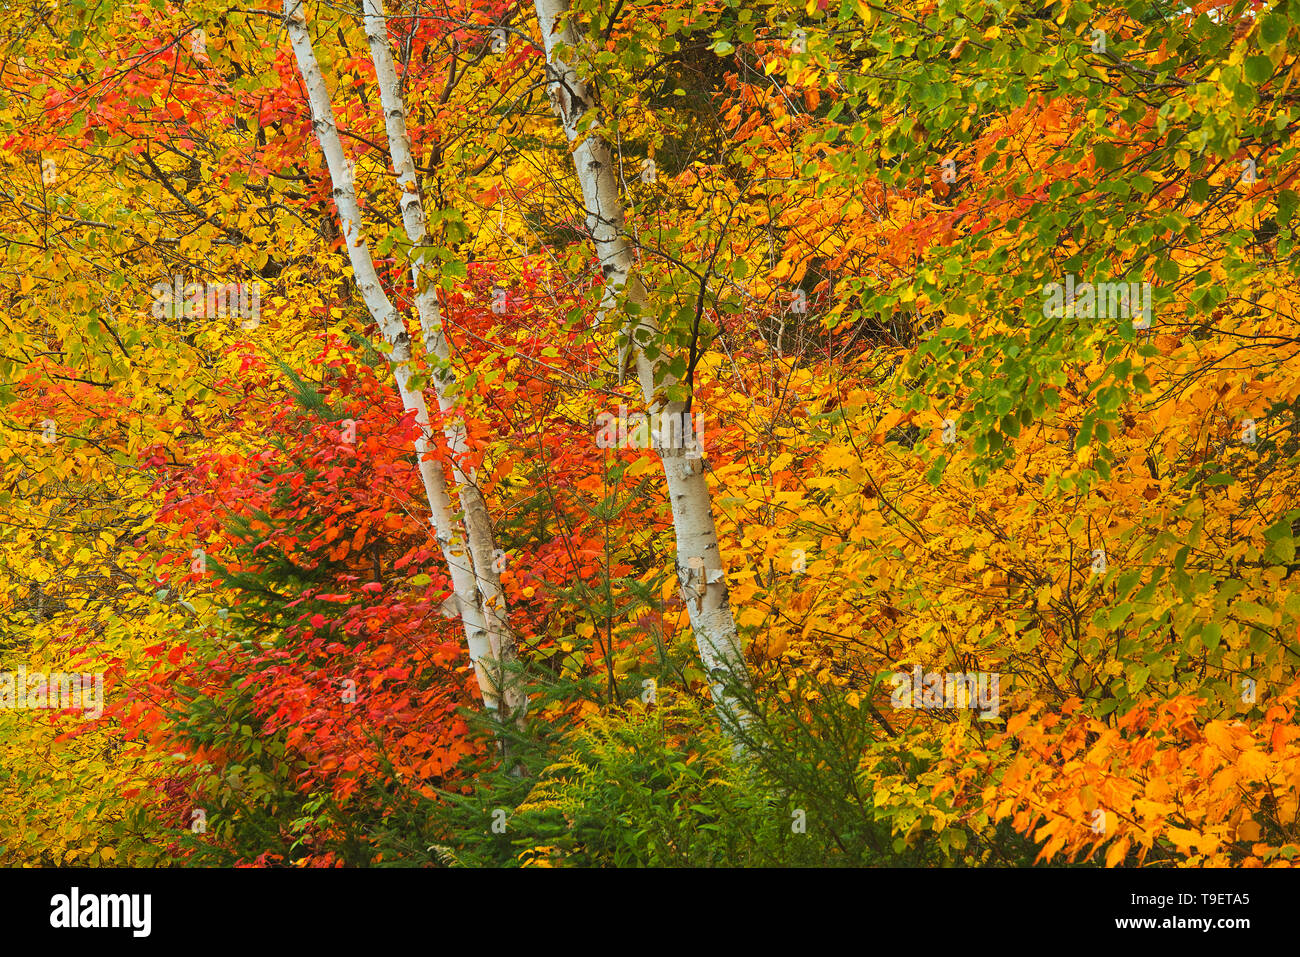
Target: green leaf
x,y
1107,156
1258,68
1272,29
1256,612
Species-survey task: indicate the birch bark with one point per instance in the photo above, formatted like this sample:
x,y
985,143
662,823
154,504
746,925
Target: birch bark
x,y
478,525
457,556
700,571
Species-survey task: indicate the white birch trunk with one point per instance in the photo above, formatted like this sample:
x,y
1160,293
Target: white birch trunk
x,y
478,525
394,331
700,571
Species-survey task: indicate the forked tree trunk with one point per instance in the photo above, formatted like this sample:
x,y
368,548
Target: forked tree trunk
x,y
700,571
478,525
457,556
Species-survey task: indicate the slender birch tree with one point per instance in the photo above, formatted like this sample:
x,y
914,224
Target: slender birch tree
x,y
478,525
476,589
700,571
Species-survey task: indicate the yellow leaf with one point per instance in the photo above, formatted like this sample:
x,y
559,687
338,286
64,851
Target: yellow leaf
x,y
867,15
1183,839
888,422
643,464
1117,852
1254,765
1217,733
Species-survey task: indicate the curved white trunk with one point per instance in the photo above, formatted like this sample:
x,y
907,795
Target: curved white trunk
x,y
457,557
478,525
700,571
